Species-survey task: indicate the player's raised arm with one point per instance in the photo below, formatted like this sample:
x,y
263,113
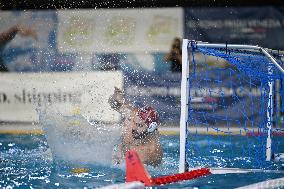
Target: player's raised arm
x,y
118,102
10,33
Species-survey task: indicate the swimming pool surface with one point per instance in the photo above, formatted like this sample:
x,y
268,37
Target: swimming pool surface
x,y
25,162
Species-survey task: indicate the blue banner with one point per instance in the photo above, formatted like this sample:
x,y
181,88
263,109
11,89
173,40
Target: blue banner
x,y
225,96
160,90
241,25
230,97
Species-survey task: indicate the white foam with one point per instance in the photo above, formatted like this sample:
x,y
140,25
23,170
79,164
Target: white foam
x,y
75,139
130,185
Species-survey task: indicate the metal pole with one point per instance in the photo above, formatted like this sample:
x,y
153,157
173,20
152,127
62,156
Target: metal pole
x,y
248,47
184,106
272,59
269,114
229,46
270,104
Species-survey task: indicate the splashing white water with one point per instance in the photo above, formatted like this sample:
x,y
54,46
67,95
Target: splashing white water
x,y
73,138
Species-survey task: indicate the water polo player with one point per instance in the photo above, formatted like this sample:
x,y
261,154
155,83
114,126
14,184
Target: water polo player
x,y
139,131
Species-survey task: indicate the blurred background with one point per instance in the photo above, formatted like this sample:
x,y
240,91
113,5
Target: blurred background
x,y
129,39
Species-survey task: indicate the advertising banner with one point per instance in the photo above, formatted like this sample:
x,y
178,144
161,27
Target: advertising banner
x,y
160,90
225,96
212,100
119,30
261,26
83,92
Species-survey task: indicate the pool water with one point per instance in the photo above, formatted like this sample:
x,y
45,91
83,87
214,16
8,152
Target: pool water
x,y
25,162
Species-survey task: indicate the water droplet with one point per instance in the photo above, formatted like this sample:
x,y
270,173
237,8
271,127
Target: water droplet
x,y
11,144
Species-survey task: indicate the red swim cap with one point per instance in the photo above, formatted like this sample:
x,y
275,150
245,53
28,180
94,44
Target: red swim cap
x,y
149,115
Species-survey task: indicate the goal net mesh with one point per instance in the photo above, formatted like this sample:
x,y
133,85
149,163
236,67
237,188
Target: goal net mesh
x,y
228,107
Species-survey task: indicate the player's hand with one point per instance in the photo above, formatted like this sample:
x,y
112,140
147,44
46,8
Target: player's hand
x,y
116,100
118,95
26,32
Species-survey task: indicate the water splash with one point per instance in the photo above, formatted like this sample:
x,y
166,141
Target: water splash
x,y
73,138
